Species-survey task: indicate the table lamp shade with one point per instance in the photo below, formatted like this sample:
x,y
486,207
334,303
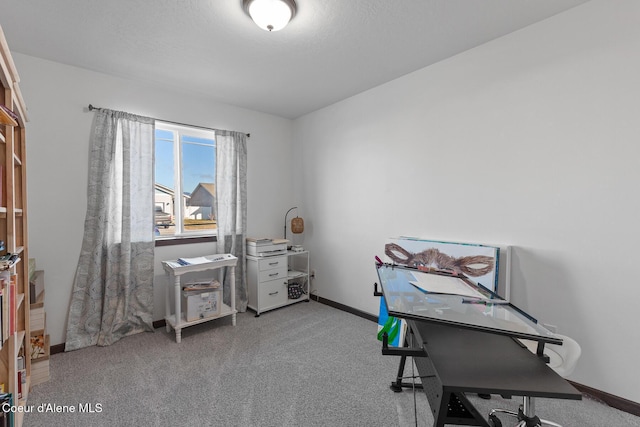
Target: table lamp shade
x,y
297,225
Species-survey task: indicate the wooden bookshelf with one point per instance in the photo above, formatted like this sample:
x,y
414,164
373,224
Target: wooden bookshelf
x,y
15,360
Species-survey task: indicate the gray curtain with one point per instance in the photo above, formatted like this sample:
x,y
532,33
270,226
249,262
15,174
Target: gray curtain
x,y
231,207
113,286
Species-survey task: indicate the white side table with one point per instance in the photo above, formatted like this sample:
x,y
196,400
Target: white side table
x,y
175,270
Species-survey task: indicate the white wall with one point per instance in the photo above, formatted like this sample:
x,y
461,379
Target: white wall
x,y
530,140
58,132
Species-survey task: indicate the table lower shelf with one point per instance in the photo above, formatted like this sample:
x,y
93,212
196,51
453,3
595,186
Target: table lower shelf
x,y
225,310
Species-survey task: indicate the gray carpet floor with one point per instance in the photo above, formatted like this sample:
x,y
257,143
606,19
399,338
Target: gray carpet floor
x,y
304,365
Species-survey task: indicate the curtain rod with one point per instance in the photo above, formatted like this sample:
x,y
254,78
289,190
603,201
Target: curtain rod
x,y
91,108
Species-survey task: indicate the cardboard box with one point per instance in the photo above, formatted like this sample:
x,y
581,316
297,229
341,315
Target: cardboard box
x,y
37,318
39,371
201,304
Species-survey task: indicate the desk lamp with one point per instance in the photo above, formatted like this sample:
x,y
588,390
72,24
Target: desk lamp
x,y
297,223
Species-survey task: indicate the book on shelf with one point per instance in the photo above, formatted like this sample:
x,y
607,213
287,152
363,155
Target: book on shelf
x,y
20,383
7,117
12,303
8,260
4,283
22,373
8,285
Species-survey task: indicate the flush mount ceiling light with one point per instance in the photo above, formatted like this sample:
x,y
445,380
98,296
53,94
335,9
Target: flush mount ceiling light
x,y
270,15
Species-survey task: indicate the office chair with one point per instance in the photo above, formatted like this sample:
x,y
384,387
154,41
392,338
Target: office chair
x,y
562,359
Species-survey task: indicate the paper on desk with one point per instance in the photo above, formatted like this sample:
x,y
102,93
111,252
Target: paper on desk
x,y
445,285
192,261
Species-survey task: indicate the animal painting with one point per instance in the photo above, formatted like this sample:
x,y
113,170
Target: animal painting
x,y
474,266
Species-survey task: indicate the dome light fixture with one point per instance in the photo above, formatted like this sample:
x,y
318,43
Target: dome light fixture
x,y
270,15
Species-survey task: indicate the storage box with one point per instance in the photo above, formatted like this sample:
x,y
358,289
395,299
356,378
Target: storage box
x,y
37,317
39,371
201,304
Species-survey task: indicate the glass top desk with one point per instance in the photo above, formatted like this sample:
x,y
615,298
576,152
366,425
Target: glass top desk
x,y
455,300
462,342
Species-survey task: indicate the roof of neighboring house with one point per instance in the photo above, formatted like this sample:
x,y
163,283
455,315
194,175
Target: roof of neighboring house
x,y
203,195
164,189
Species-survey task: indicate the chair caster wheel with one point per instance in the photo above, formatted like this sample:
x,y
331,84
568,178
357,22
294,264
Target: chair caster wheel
x,y
494,421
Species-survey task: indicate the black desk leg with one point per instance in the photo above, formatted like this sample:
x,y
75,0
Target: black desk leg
x,y
398,384
403,352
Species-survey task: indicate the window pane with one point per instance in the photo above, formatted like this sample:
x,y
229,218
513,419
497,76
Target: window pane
x,y
164,183
198,183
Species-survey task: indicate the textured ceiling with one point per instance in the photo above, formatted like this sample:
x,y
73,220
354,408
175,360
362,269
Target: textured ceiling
x,y
331,50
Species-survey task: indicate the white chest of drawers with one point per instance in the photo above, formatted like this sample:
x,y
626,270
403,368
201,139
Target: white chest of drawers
x,y
269,278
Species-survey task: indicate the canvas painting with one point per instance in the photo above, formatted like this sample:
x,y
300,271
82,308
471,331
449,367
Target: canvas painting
x,y
478,262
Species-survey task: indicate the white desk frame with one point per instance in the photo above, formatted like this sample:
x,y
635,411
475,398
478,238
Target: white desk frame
x,y
174,271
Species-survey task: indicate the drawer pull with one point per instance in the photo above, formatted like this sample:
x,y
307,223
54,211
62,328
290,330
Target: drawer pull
x,y
274,263
274,274
273,293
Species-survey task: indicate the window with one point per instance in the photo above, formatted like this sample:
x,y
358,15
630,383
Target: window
x,y
185,171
